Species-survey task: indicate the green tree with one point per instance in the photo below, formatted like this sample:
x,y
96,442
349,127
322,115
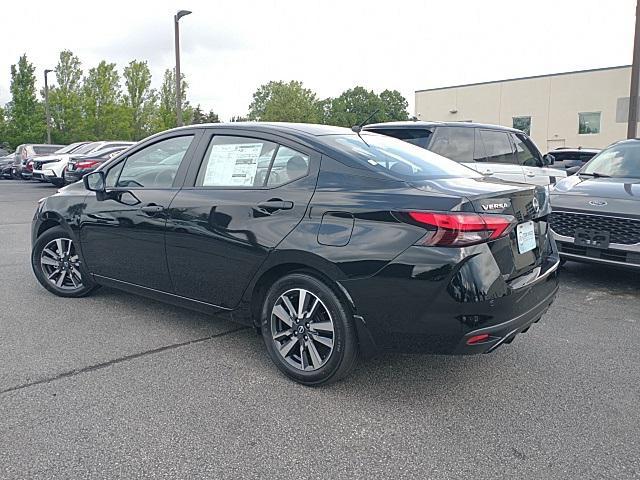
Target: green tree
x,y
354,106
200,117
284,102
166,116
26,122
394,106
140,98
65,100
104,113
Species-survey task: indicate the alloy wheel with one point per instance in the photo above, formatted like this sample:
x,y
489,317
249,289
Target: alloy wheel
x,y
302,329
61,264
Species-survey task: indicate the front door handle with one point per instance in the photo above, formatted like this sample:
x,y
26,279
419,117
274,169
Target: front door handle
x,y
275,204
529,173
152,209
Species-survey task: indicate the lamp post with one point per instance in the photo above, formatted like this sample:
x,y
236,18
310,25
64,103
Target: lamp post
x,y
176,19
632,124
46,104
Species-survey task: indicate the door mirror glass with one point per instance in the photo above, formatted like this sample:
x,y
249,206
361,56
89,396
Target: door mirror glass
x,y
548,159
94,181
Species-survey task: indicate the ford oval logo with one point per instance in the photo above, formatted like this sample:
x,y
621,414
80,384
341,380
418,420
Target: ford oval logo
x,y
597,203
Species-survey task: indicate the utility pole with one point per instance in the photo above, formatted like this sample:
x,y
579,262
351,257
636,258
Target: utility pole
x,y
176,19
632,126
46,104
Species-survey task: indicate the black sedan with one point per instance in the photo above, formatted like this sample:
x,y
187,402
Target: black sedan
x,y
331,243
80,165
596,213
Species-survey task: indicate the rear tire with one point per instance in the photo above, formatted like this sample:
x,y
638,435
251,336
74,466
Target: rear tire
x,y
57,265
308,330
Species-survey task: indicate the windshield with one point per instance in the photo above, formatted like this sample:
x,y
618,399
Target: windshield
x,y
617,161
68,148
399,158
45,149
87,148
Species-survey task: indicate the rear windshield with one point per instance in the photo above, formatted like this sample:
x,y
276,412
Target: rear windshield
x,y
616,161
87,148
67,149
45,149
398,158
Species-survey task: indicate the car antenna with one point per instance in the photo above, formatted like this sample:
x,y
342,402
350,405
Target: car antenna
x,y
358,128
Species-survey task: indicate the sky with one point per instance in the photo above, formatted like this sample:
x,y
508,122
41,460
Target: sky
x,y
230,48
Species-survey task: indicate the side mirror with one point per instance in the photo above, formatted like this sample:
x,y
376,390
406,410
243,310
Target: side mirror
x,y
548,159
94,181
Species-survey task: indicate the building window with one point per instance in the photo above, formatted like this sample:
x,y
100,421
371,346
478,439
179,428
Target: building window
x,y
588,123
522,123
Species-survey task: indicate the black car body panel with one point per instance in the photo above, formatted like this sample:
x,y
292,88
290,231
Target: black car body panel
x,y
216,249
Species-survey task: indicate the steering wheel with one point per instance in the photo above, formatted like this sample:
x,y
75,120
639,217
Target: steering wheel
x,y
164,178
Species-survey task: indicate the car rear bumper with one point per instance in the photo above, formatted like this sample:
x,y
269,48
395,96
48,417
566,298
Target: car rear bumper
x,y
433,300
75,175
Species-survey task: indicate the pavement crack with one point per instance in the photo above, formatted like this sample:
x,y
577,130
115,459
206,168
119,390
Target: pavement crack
x,y
115,361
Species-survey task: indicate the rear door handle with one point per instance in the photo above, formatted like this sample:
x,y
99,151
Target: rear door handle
x,y
275,204
152,208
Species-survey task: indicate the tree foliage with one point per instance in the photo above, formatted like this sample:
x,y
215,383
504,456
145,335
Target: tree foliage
x,y
284,102
65,97
26,121
139,99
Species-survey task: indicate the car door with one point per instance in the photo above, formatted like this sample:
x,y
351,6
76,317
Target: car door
x,y
532,165
499,156
244,196
122,231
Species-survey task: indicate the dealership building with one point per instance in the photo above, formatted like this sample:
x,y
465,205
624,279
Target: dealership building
x,y
587,108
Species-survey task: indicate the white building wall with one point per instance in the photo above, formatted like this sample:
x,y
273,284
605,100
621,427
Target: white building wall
x,y
553,103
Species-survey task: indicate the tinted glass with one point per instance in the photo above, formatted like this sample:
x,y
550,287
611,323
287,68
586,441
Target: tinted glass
x,y
87,148
589,122
68,148
456,143
401,159
288,166
154,166
616,161
526,156
45,149
497,147
236,162
416,136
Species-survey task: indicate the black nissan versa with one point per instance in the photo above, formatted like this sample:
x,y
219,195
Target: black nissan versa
x,y
330,242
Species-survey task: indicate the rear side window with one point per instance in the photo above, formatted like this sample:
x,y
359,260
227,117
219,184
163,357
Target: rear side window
x,y
288,166
416,136
497,147
455,143
526,156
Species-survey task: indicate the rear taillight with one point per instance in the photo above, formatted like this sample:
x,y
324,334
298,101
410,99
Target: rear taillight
x,y
86,164
30,166
459,229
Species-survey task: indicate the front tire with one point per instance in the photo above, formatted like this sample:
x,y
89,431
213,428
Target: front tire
x,y
308,330
57,265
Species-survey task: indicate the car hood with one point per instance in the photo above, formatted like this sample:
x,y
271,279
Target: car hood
x,y
600,195
50,158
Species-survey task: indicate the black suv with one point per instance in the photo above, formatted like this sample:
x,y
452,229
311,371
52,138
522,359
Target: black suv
x,y
502,152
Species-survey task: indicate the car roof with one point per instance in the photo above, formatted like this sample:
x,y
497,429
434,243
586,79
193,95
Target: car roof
x,y
425,124
575,150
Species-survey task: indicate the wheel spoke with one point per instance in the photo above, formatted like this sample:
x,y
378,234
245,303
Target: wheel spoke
x,y
70,243
76,272
283,333
289,305
61,278
327,342
48,261
59,245
302,300
313,308
303,357
51,253
316,360
280,312
284,351
322,326
73,280
57,270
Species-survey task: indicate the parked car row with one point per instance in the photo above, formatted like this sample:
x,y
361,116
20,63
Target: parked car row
x,y
50,163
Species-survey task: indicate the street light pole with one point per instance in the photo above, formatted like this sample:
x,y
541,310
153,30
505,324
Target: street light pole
x,y
176,19
46,105
632,125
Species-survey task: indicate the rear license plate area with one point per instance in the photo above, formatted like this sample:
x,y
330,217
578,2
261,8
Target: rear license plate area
x,y
586,237
526,236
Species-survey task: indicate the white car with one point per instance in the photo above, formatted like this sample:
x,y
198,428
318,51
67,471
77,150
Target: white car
x,y
51,169
492,150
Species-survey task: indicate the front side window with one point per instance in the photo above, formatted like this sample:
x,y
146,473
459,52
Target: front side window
x,y
522,123
497,147
456,143
588,123
154,166
526,156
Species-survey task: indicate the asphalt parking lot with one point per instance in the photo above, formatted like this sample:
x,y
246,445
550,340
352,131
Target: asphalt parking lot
x,y
116,386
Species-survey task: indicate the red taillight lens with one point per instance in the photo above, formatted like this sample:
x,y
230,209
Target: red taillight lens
x,y
30,166
86,164
458,229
